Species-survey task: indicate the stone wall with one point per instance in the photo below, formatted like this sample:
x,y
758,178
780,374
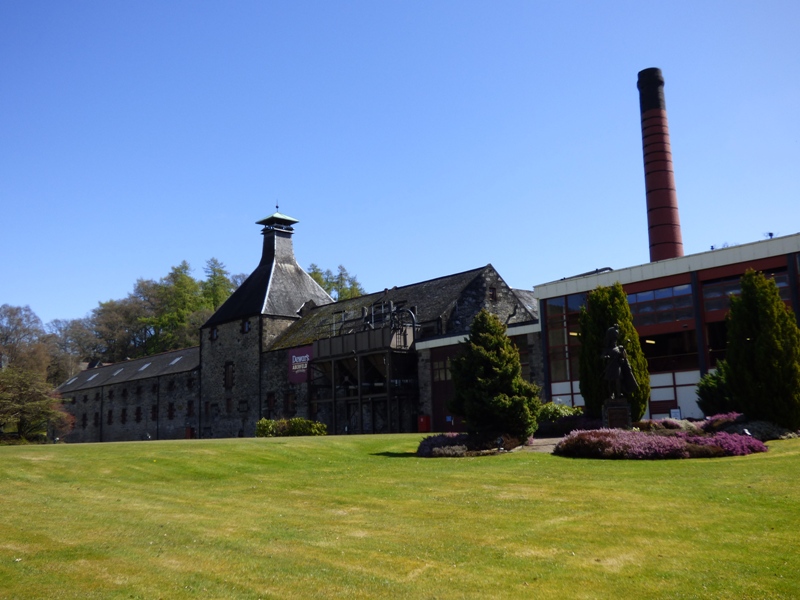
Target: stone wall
x,y
164,407
230,379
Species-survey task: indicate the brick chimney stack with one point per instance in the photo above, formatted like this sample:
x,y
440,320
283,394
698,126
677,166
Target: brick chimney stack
x,y
663,221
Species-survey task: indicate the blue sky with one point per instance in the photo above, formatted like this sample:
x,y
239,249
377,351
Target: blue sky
x,y
411,139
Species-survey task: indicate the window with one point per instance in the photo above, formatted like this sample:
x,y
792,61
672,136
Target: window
x,y
111,394
563,346
190,383
289,404
144,366
229,372
138,414
228,405
441,370
110,417
171,386
175,361
213,334
123,417
171,411
190,408
125,393
155,388
84,421
97,419
245,326
493,294
664,305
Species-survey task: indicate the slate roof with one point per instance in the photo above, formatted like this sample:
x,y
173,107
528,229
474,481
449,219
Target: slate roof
x,y
278,286
529,300
168,363
431,299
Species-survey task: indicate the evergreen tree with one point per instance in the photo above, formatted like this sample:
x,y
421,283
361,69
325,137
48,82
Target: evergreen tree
x,y
490,393
606,306
340,285
763,353
217,286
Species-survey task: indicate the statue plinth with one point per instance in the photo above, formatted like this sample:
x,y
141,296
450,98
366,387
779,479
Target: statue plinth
x,y
617,413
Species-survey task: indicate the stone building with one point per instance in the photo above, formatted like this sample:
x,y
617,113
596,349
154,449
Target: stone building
x,y
280,347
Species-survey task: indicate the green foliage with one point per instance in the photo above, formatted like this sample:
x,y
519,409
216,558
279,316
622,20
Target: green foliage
x,y
289,427
490,393
551,412
28,406
340,285
713,396
606,306
763,353
217,286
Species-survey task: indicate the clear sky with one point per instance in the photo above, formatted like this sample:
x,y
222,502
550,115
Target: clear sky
x,y
412,139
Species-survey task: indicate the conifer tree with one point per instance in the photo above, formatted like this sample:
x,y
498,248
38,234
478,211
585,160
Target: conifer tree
x,y
606,306
763,354
490,393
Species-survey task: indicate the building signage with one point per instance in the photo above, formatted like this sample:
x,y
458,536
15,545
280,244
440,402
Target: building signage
x,y
298,364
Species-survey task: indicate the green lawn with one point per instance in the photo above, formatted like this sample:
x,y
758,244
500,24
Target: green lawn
x,y
361,517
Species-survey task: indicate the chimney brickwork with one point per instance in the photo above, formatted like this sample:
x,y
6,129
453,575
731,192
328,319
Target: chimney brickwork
x,y
663,221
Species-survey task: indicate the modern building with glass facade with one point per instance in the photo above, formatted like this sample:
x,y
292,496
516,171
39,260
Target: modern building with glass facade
x,y
679,307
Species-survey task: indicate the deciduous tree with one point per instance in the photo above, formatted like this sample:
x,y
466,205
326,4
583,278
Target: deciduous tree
x,y
28,406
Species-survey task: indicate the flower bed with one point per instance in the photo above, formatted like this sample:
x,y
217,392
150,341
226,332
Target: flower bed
x,y
639,445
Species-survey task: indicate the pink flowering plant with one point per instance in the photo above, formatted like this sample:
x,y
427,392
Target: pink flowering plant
x,y
663,442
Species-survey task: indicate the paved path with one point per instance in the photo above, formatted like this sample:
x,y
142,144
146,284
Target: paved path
x,y
543,445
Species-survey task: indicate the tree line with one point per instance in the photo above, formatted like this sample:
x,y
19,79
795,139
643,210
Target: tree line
x,y
156,316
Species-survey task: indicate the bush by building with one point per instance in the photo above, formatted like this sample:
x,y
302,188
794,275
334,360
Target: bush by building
x,y
289,427
490,393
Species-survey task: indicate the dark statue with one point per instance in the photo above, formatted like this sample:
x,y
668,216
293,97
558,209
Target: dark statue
x,y
618,370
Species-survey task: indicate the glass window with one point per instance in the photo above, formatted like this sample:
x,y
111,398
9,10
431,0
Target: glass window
x,y
663,293
644,296
575,302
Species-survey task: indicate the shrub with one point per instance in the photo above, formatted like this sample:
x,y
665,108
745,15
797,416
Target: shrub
x,y
449,451
732,444
720,422
621,444
290,427
552,411
441,440
713,396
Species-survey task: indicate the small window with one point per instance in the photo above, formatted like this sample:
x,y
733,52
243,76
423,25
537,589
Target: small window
x,y
84,421
86,398
125,393
110,420
117,372
138,390
171,386
175,361
213,334
111,395
155,388
493,294
123,417
144,366
229,372
245,326
190,408
97,419
190,383
171,411
138,414
92,377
